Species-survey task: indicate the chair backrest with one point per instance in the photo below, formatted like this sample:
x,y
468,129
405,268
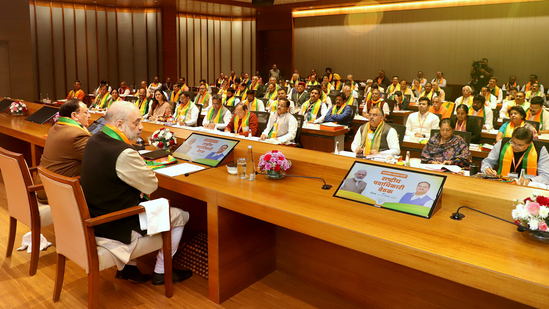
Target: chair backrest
x,y
131,99
265,101
69,210
448,92
465,135
300,120
231,109
479,119
439,116
263,119
391,107
495,116
534,124
15,173
401,130
354,108
200,119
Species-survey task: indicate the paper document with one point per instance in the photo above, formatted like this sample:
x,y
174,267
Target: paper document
x,y
179,169
453,168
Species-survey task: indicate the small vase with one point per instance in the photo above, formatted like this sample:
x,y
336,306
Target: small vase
x,y
539,236
275,175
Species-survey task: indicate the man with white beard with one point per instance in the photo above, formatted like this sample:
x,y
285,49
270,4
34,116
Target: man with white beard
x,y
355,184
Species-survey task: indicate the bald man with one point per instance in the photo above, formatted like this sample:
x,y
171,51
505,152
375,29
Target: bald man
x,y
115,177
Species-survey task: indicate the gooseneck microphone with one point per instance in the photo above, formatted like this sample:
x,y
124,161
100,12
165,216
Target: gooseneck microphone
x,y
457,216
324,187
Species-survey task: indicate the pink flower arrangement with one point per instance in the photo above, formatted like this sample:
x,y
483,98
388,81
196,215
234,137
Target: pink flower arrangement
x,y
532,212
18,107
163,138
274,161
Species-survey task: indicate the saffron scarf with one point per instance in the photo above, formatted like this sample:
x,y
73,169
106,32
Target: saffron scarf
x,y
274,130
181,112
393,88
174,97
270,96
429,95
538,117
74,94
315,108
229,102
115,133
481,113
143,106
373,143
350,100
218,117
507,156
245,122
511,127
69,122
254,105
102,102
202,100
336,111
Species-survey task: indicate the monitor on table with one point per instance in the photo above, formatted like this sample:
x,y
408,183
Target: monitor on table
x,y
205,149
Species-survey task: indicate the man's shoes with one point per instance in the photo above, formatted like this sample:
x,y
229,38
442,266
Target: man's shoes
x,y
178,276
132,274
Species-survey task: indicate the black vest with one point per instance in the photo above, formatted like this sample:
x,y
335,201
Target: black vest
x,y
104,191
383,142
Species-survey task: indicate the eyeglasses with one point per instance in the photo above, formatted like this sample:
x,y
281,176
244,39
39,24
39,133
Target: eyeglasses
x,y
373,115
513,143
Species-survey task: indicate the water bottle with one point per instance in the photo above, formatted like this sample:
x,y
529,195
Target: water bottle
x,y
337,148
250,165
407,158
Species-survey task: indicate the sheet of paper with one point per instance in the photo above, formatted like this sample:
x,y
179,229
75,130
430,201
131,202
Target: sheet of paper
x,y
347,154
453,168
179,169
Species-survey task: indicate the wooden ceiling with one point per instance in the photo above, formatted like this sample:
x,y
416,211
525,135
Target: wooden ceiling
x,y
233,8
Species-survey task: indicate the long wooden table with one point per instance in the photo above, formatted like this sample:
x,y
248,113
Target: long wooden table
x,y
368,255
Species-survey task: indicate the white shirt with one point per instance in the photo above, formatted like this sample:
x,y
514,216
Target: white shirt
x,y
507,105
152,89
489,123
191,117
418,123
493,102
499,98
415,197
220,126
443,84
523,88
292,128
459,101
392,142
323,111
545,117
207,104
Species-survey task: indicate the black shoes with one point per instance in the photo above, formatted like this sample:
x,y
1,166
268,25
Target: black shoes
x,y
132,274
178,276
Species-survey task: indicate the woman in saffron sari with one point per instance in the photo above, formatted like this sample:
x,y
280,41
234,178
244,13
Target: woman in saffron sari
x,y
517,116
446,148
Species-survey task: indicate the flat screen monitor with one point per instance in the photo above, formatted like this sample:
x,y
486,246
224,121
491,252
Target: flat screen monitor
x,y
408,191
205,149
42,115
5,104
97,125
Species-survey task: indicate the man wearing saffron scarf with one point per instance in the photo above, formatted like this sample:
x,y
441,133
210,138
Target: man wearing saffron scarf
x,y
282,125
115,177
175,94
422,80
314,109
219,82
300,96
520,100
516,155
481,110
340,112
394,87
77,92
253,103
232,78
155,85
439,79
533,79
495,90
217,116
491,100
510,84
376,136
186,113
438,91
65,142
124,90
143,102
203,97
382,80
376,100
437,108
536,112
183,84
230,99
534,92
243,121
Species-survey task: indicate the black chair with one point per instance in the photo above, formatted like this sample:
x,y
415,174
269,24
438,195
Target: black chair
x,y
465,135
479,119
534,124
200,119
439,116
495,117
332,96
401,131
447,92
300,120
263,119
231,109
131,99
354,108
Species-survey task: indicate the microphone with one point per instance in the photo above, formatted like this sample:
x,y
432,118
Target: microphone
x,y
457,216
324,187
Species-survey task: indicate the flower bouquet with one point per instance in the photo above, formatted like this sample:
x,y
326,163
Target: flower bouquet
x,y
274,163
533,213
18,108
163,139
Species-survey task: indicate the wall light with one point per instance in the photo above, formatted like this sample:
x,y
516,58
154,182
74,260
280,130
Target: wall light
x,y
416,5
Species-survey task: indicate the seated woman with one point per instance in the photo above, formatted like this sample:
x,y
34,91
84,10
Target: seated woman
x,y
160,108
467,124
446,148
115,96
517,116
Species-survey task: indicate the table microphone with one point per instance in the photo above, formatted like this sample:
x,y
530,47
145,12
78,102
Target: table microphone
x,y
324,187
457,216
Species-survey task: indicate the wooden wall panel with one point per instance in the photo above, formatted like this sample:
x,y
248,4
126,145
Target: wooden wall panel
x,y
159,48
254,47
5,84
215,45
93,43
445,39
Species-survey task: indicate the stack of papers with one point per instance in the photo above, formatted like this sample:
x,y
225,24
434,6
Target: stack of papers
x,y
179,169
